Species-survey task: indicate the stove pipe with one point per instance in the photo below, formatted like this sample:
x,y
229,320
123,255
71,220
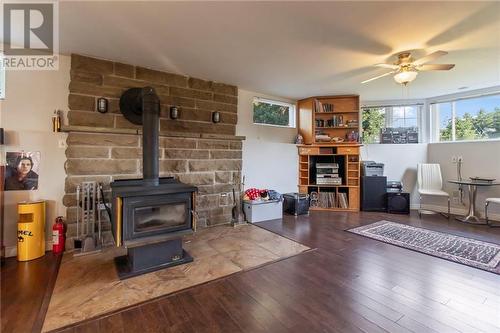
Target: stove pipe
x,y
142,106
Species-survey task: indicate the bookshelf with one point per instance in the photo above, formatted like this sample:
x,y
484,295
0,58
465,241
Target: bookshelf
x,y
326,123
341,197
329,119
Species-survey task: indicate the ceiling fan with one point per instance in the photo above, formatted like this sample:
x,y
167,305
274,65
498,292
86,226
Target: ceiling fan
x,y
405,69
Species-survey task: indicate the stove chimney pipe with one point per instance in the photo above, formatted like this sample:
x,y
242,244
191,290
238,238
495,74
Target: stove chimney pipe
x,y
142,106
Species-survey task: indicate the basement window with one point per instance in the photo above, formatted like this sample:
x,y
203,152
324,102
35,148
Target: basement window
x,y
273,113
393,124
466,119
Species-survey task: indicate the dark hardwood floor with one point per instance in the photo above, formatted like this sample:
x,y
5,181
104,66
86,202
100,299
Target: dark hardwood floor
x,y
26,288
348,283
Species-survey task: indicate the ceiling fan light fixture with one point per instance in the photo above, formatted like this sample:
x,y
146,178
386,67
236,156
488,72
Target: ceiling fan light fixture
x,y
405,76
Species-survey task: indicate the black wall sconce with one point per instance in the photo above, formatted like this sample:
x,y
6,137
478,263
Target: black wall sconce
x,y
216,117
174,112
102,105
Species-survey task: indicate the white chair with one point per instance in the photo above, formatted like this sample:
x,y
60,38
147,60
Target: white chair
x,y
488,201
430,183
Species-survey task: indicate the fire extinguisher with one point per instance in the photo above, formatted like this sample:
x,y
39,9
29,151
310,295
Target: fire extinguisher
x,y
58,236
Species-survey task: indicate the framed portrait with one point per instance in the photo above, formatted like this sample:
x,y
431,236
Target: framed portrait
x,y
22,170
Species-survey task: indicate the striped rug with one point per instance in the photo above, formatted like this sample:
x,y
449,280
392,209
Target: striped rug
x,y
467,251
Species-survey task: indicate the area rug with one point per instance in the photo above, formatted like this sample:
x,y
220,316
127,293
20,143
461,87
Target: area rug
x,y
467,251
87,287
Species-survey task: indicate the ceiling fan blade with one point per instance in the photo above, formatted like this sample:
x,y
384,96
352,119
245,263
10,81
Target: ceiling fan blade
x,y
378,77
436,67
429,57
390,66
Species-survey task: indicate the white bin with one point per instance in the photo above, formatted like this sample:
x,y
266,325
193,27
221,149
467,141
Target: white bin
x,y
257,211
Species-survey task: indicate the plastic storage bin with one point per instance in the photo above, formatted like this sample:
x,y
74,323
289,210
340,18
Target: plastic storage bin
x,y
257,211
296,203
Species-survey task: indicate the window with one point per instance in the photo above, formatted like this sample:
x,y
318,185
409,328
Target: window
x,y
274,113
475,118
391,124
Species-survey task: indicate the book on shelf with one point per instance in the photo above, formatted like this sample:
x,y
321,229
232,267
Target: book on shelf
x,y
327,200
343,203
324,107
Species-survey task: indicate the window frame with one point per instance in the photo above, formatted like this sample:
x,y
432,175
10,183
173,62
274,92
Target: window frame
x,y
421,106
292,112
435,136
2,78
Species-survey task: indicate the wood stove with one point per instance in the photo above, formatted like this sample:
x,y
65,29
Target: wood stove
x,y
150,215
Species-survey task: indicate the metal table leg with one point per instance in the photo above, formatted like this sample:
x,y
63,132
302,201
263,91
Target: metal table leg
x,y
471,216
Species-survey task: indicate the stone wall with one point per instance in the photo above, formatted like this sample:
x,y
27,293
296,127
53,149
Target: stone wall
x,y
105,147
197,99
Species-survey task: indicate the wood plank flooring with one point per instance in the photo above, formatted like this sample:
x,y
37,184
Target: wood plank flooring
x,y
26,288
348,284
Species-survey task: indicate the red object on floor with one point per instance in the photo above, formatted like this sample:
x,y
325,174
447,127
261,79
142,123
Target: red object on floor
x,y
252,193
58,236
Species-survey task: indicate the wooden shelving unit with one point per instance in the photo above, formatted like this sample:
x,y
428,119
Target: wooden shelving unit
x,y
345,153
347,156
338,123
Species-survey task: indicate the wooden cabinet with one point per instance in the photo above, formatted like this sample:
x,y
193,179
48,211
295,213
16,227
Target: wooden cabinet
x,y
330,128
308,150
348,160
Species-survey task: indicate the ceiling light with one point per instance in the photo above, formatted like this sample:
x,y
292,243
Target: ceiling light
x,y
405,76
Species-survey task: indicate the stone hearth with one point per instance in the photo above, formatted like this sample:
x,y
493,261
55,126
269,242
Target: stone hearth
x,y
89,286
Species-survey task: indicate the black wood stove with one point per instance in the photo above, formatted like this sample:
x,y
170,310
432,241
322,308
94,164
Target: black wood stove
x,y
150,215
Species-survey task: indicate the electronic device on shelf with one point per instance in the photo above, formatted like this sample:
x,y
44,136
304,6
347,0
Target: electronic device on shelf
x,y
371,168
394,186
327,168
328,180
328,174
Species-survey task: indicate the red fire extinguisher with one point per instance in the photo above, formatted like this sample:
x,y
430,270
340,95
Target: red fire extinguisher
x,y
58,236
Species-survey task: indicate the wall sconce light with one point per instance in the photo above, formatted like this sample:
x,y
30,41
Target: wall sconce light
x,y
216,117
56,121
174,112
102,105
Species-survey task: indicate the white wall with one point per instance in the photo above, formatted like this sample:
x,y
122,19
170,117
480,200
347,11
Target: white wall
x,y
480,159
400,163
25,114
270,158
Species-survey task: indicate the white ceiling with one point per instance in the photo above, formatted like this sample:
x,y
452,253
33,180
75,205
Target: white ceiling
x,y
293,49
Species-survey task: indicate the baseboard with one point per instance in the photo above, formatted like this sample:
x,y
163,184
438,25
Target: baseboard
x,y
454,210
11,251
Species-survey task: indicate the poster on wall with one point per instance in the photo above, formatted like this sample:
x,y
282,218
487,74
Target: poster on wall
x,y
22,170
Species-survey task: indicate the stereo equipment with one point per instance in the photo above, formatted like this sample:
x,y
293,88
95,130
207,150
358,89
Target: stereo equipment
x,y
373,191
327,168
398,203
328,174
328,179
394,186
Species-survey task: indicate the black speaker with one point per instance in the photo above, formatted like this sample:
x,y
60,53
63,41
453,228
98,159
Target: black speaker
x,y
398,203
373,190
